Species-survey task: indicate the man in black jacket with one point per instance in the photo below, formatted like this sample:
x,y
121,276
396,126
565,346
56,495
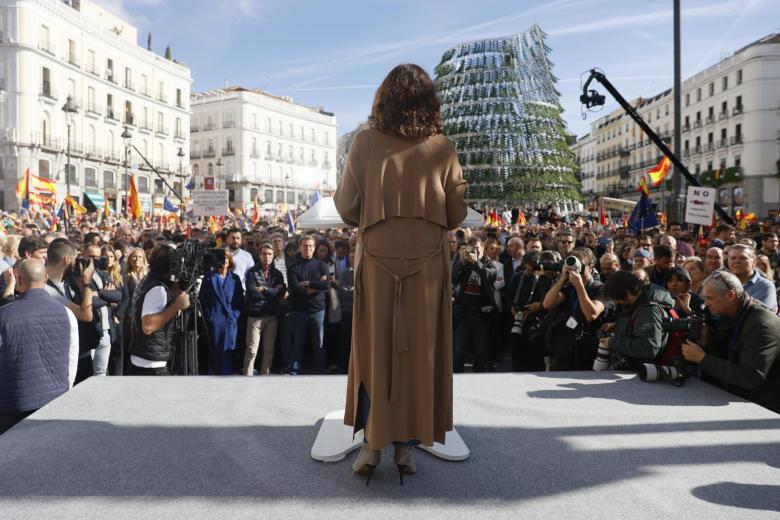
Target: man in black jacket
x,y
309,282
743,354
476,277
264,289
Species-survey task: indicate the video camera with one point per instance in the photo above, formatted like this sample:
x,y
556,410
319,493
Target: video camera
x,y
190,261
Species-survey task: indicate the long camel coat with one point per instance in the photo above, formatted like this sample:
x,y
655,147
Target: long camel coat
x,y
403,195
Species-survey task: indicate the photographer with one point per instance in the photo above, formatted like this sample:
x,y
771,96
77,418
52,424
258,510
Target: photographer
x,y
576,313
741,355
154,308
641,308
521,312
475,276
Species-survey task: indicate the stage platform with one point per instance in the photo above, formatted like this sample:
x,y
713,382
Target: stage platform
x,y
552,446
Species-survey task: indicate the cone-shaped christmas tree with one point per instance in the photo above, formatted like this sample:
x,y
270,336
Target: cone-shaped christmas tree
x,y
501,110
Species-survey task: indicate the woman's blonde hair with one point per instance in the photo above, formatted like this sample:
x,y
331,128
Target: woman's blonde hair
x,y
10,247
144,264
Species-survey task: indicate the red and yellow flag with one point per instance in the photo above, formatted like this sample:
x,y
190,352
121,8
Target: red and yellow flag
x,y
134,203
643,187
33,184
255,213
658,174
521,219
78,209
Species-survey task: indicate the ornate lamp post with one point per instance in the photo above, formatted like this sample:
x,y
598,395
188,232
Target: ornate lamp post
x,y
70,108
127,137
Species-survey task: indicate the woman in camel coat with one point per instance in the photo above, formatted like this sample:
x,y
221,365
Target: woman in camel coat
x,y
403,187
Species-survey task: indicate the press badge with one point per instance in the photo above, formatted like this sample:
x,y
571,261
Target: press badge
x,y
571,323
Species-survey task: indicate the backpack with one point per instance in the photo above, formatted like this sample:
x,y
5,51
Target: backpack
x,y
674,341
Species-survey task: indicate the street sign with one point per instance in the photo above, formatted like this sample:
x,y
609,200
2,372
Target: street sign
x,y
208,183
700,205
206,203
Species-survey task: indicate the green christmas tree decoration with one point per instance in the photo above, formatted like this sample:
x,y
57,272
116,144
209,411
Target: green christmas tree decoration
x,y
501,110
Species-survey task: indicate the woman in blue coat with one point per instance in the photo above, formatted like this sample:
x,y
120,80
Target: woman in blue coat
x,y
222,300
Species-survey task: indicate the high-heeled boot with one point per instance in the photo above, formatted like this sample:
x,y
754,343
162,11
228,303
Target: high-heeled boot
x,y
367,462
404,461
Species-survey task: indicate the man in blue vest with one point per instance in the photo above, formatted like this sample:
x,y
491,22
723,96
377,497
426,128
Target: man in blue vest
x,y
39,346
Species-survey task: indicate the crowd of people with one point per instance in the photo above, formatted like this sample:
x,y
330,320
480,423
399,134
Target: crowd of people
x,y
532,291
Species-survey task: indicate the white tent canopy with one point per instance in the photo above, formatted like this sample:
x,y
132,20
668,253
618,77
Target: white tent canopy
x,y
323,215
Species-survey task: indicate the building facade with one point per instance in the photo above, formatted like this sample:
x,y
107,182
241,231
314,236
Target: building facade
x,y
584,150
51,51
730,133
261,146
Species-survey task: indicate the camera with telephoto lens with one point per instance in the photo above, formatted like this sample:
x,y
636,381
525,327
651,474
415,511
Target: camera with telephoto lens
x,y
674,372
690,326
570,262
602,361
190,261
517,326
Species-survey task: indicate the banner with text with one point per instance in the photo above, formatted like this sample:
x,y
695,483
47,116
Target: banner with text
x,y
700,205
206,203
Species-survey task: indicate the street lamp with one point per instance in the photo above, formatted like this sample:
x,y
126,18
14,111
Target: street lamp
x,y
127,137
219,172
70,108
180,155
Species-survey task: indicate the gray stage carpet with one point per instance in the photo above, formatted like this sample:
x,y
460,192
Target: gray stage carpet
x,y
553,446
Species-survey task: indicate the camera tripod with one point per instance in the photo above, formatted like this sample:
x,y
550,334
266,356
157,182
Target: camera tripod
x,y
184,361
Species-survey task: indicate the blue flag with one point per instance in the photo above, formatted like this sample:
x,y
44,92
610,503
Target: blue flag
x,y
169,206
290,223
642,217
191,184
315,198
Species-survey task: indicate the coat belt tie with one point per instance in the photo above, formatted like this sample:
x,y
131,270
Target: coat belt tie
x,y
400,337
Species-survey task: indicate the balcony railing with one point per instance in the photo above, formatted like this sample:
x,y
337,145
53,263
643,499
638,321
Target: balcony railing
x,y
194,154
697,123
129,84
254,154
723,143
178,134
228,151
686,128
710,120
129,118
110,114
194,128
93,151
209,153
92,108
162,97
696,150
736,110
47,91
228,124
723,115
92,69
709,147
110,76
74,60
162,130
144,91
736,139
46,46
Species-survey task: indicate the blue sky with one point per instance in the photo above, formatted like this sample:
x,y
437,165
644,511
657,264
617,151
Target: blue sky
x,y
334,53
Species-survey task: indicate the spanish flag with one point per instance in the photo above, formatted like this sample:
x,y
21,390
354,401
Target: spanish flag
x,y
213,224
658,174
133,203
643,188
32,184
78,209
255,213
521,219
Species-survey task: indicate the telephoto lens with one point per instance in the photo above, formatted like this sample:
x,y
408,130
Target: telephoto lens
x,y
602,356
651,372
517,326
